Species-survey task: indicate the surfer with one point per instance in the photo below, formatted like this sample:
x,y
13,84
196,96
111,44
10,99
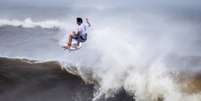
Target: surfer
x,y
80,35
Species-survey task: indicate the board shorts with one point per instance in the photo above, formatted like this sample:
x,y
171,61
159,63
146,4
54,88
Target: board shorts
x,y
80,38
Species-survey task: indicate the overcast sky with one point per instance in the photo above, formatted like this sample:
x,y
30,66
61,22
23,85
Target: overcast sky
x,y
107,3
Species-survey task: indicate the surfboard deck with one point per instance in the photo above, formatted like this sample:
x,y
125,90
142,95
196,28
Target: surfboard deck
x,y
73,47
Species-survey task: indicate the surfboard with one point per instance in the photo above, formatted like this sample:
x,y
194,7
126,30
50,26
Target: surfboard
x,y
73,46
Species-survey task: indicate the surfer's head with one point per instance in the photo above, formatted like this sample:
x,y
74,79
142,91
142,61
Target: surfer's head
x,y
79,20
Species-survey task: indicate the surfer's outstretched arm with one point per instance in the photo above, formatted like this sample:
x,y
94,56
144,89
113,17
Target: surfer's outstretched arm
x,y
87,20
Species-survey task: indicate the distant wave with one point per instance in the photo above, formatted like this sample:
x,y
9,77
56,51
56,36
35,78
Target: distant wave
x,y
29,23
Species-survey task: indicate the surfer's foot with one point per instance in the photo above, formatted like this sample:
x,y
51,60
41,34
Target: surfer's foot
x,y
78,46
67,46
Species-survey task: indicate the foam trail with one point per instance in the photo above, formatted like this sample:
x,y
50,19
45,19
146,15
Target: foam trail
x,y
29,23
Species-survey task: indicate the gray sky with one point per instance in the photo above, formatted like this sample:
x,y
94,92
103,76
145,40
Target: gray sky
x,y
108,3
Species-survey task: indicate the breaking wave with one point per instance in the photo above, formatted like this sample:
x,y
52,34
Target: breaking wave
x,y
129,60
147,59
52,77
31,80
29,23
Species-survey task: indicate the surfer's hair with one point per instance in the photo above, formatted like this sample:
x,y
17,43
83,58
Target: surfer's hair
x,y
79,19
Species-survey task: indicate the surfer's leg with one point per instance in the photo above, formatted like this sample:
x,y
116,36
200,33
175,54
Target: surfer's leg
x,y
70,37
78,44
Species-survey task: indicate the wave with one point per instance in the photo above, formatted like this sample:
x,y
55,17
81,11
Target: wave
x,y
29,23
132,61
154,83
39,79
24,80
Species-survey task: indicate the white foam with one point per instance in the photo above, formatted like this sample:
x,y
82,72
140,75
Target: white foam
x,y
131,57
29,23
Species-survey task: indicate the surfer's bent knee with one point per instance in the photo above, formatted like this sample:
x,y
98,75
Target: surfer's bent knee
x,y
72,33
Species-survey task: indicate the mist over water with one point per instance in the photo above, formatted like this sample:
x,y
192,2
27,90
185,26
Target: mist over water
x,y
136,45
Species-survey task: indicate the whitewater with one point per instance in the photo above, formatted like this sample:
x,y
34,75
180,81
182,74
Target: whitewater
x,y
28,23
153,56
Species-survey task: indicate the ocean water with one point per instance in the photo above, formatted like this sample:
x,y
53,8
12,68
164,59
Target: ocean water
x,y
136,50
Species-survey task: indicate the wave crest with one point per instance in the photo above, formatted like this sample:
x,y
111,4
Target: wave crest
x,y
29,23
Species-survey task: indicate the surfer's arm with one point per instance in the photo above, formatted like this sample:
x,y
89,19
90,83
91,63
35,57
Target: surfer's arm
x,y
78,31
89,24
